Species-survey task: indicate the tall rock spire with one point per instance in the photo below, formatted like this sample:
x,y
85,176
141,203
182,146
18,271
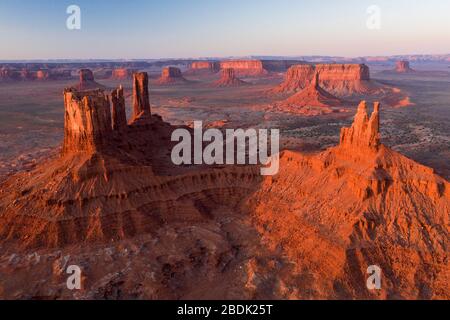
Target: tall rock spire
x,y
365,131
119,117
141,102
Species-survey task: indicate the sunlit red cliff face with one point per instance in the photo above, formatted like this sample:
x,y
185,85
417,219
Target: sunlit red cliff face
x,y
244,67
112,202
338,79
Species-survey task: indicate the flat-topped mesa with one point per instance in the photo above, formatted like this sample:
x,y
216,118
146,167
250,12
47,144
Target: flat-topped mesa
x,y
119,116
244,67
141,102
365,132
402,66
336,78
228,79
199,67
87,121
122,73
171,75
87,81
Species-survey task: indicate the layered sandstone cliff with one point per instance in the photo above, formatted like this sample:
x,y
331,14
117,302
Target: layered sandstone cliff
x,y
312,96
171,75
339,79
87,81
356,205
87,122
228,79
244,67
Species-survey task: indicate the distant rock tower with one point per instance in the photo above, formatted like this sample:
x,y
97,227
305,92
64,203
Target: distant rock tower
x,y
403,67
87,121
364,132
141,102
171,75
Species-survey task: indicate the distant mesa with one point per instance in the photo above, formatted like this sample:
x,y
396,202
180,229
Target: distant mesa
x,y
13,74
87,81
228,79
203,68
341,80
244,67
171,75
314,96
402,66
122,73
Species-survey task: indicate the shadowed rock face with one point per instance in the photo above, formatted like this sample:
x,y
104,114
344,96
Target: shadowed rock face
x,y
228,79
171,75
119,117
141,102
403,67
87,81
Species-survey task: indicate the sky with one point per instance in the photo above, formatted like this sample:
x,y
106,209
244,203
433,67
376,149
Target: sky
x,y
144,29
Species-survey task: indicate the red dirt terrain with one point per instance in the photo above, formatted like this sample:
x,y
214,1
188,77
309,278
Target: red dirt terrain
x,y
140,227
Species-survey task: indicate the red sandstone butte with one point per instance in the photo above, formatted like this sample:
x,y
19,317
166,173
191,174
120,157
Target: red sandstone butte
x,y
228,79
313,96
141,101
87,122
87,81
244,67
338,79
402,66
122,74
171,75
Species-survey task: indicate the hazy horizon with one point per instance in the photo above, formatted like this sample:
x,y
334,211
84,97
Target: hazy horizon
x,y
175,29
